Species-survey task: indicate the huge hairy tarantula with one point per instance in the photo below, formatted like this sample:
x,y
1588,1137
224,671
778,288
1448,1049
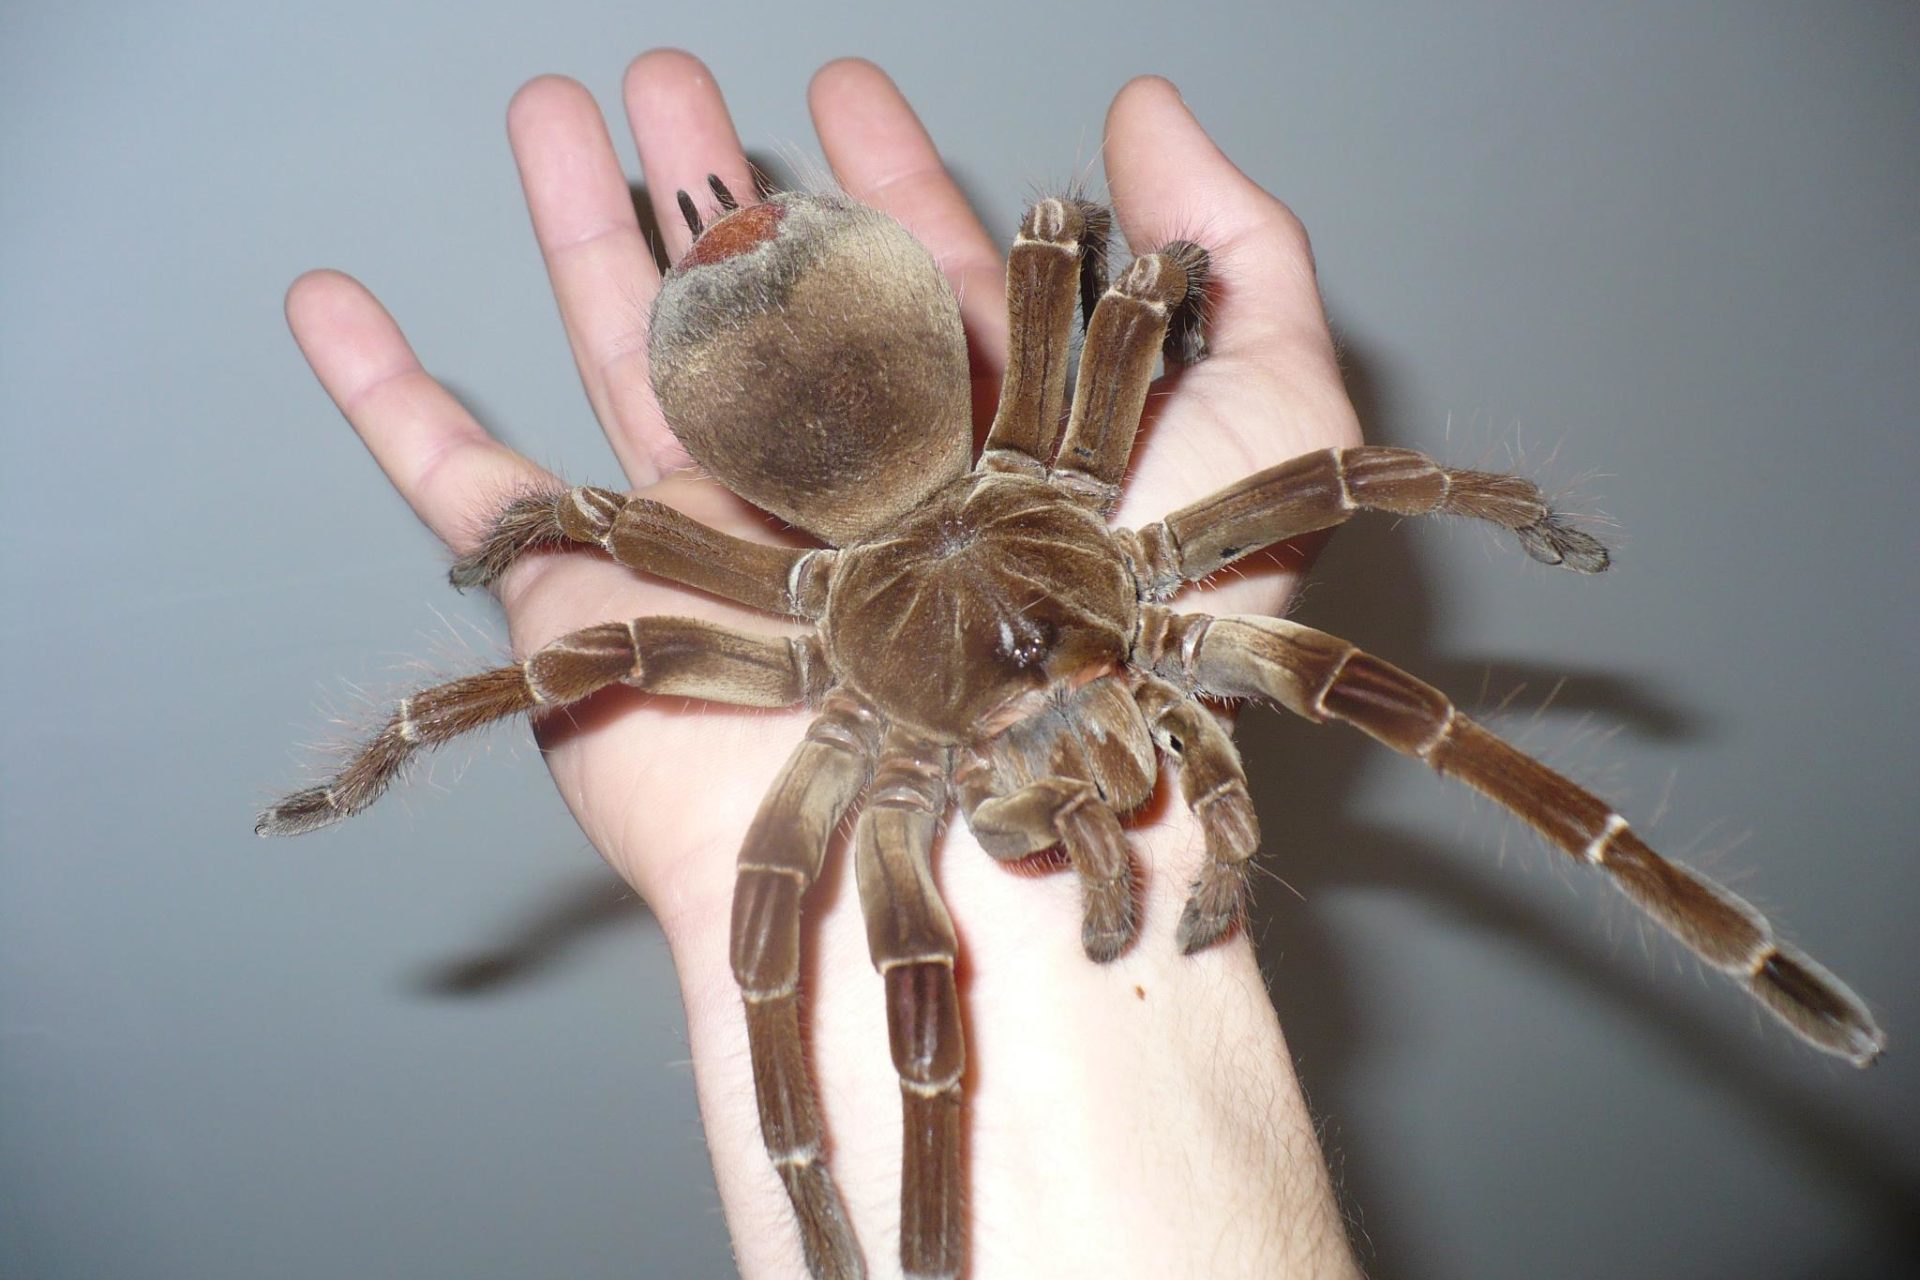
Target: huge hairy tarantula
x,y
982,638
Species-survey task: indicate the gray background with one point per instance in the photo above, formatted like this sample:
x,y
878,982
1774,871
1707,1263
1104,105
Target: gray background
x,y
1671,253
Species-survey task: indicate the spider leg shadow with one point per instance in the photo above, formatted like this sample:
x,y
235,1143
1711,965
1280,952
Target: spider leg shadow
x,y
1385,605
1325,849
593,901
581,906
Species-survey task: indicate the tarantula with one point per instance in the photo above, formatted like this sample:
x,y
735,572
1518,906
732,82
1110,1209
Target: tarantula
x,y
982,637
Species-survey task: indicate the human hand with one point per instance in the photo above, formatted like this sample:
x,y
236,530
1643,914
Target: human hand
x,y
1109,1105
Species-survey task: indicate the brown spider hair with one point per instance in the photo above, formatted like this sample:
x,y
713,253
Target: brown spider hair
x,y
764,344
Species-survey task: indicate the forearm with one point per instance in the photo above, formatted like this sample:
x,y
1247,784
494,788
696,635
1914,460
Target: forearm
x,y
1133,1119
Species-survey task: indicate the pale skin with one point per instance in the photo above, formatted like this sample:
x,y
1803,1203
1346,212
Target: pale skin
x,y
1139,1118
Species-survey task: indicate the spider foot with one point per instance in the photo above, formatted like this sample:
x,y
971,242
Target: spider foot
x,y
1219,894
527,523
826,1239
300,812
1818,1006
1213,909
1186,340
541,521
1552,540
1109,923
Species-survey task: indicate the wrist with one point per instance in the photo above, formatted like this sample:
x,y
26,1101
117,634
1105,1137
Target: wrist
x,y
1134,1118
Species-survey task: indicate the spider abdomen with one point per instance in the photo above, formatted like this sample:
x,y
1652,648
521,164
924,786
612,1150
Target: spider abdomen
x,y
968,614
809,354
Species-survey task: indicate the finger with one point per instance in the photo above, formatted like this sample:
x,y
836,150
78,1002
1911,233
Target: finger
x,y
1168,181
882,155
450,471
603,275
681,126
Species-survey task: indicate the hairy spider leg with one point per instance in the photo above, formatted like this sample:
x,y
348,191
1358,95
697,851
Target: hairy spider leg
x,y
1067,812
1044,783
1156,298
653,538
1322,677
911,939
1328,487
1059,255
1154,308
1214,786
779,861
1113,736
661,655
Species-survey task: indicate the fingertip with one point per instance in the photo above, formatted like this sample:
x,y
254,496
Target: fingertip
x,y
544,91
1158,150
321,295
1158,155
1150,108
871,134
664,73
1146,92
573,183
881,152
540,96
866,125
310,282
348,337
846,76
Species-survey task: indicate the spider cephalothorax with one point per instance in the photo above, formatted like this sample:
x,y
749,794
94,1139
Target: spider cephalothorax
x,y
983,638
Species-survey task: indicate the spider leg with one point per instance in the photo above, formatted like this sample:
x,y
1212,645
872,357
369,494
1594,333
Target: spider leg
x,y
1156,298
1319,490
911,939
1040,785
653,538
1322,677
778,863
1215,788
1113,736
1058,255
1067,812
661,655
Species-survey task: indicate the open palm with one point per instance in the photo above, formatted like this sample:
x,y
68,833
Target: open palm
x,y
1065,1051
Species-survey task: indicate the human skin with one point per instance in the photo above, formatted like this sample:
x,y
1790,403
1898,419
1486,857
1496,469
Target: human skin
x,y
1139,1118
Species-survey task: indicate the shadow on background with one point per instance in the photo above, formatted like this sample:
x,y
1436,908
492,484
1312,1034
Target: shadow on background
x,y
1385,605
580,908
